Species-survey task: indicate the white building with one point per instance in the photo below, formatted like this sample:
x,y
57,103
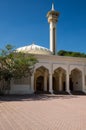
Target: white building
x,y
52,73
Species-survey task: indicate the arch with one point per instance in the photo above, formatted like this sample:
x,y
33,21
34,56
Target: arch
x,y
41,79
42,67
46,66
56,66
39,83
76,80
60,69
75,67
59,79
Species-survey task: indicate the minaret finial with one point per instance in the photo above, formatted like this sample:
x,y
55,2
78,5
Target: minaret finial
x,y
53,6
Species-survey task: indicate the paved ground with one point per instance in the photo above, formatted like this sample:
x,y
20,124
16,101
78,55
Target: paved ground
x,y
46,112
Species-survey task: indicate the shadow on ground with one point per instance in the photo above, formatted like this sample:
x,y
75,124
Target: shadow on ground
x,y
34,97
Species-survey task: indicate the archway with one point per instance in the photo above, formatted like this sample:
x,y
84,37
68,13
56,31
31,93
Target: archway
x,y
59,79
40,83
41,79
76,80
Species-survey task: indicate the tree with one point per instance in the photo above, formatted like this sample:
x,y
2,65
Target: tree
x,y
70,53
14,64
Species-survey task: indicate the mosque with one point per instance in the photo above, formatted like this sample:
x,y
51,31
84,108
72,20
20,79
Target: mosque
x,y
52,73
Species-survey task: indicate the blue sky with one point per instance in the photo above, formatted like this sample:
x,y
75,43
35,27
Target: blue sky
x,y
23,22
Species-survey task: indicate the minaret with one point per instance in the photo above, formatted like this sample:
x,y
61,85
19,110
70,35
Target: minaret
x,y
52,16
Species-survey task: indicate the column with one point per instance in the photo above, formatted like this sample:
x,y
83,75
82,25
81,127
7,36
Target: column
x,y
83,81
50,83
45,82
60,82
32,83
67,82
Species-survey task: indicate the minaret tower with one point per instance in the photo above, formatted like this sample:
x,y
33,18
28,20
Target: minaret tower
x,y
52,16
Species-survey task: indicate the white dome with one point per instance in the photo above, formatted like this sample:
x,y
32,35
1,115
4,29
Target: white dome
x,y
34,49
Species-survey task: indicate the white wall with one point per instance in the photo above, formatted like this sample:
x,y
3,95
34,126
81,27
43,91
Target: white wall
x,y
52,63
20,89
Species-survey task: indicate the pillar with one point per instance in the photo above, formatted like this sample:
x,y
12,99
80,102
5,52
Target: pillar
x,y
60,82
45,82
67,82
50,83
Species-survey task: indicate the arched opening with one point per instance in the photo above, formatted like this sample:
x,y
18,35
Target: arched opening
x,y
40,83
41,79
76,80
54,83
59,80
71,84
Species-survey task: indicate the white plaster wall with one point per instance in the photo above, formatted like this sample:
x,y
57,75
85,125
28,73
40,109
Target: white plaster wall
x,y
20,89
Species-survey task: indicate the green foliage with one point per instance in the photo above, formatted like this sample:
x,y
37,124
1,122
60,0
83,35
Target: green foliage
x,y
15,64
70,53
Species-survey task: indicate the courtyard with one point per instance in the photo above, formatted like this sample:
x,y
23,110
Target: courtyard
x,y
43,112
